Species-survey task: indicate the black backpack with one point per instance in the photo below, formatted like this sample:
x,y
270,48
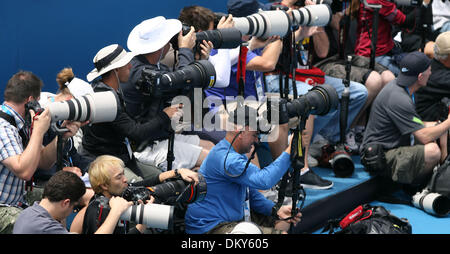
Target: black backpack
x,y
440,181
367,219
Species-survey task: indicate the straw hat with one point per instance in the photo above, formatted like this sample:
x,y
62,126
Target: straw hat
x,y
109,58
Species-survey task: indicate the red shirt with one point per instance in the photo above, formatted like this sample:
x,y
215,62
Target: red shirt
x,y
388,15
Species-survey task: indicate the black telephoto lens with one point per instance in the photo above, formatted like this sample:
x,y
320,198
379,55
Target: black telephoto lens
x,y
180,191
228,38
318,101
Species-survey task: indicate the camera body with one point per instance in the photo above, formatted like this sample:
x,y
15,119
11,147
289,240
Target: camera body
x,y
171,198
227,38
170,192
37,109
136,193
154,83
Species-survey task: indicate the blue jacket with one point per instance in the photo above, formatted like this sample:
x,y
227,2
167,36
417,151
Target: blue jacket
x,y
226,196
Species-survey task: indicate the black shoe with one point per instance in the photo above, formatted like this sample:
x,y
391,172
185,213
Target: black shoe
x,y
311,180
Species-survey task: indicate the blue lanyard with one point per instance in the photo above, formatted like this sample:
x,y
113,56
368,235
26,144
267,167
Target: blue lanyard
x,y
6,110
412,95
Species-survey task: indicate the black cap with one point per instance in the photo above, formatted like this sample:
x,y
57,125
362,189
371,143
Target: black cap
x,y
411,66
242,115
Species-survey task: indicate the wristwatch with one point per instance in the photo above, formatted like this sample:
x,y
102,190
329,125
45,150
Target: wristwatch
x,y
177,174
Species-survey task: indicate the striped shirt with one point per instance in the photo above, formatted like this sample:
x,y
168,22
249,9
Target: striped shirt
x,y
12,188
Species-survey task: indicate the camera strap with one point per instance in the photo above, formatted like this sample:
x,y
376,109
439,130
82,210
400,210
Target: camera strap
x,y
241,69
10,119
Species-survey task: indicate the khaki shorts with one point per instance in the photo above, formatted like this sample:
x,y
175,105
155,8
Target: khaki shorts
x,y
359,72
406,163
8,217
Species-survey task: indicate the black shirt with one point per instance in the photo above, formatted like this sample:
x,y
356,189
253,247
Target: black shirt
x,y
109,137
428,98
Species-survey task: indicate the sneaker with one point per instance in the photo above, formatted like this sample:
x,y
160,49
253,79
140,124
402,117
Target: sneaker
x,y
312,162
311,180
350,141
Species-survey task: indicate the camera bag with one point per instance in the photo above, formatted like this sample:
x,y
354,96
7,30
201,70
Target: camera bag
x,y
368,219
440,180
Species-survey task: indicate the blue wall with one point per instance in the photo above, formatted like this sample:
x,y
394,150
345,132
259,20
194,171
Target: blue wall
x,y
44,36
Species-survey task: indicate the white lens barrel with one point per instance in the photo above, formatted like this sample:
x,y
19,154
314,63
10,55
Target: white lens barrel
x,y
97,107
264,24
151,215
312,15
103,107
242,24
432,203
277,23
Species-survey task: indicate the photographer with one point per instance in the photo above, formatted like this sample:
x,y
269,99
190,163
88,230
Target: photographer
x,y
112,65
432,101
231,187
397,144
311,43
21,140
62,193
429,98
150,42
386,53
204,19
106,175
71,160
342,32
69,87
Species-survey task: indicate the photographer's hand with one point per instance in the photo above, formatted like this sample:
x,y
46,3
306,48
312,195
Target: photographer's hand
x,y
72,128
118,206
256,43
288,149
285,212
226,22
206,47
172,110
187,41
189,175
41,122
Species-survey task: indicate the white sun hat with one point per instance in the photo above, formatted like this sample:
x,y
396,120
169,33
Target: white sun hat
x,y
109,58
152,34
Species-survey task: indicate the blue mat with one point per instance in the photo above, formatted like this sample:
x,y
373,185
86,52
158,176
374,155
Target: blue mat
x,y
421,222
339,184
